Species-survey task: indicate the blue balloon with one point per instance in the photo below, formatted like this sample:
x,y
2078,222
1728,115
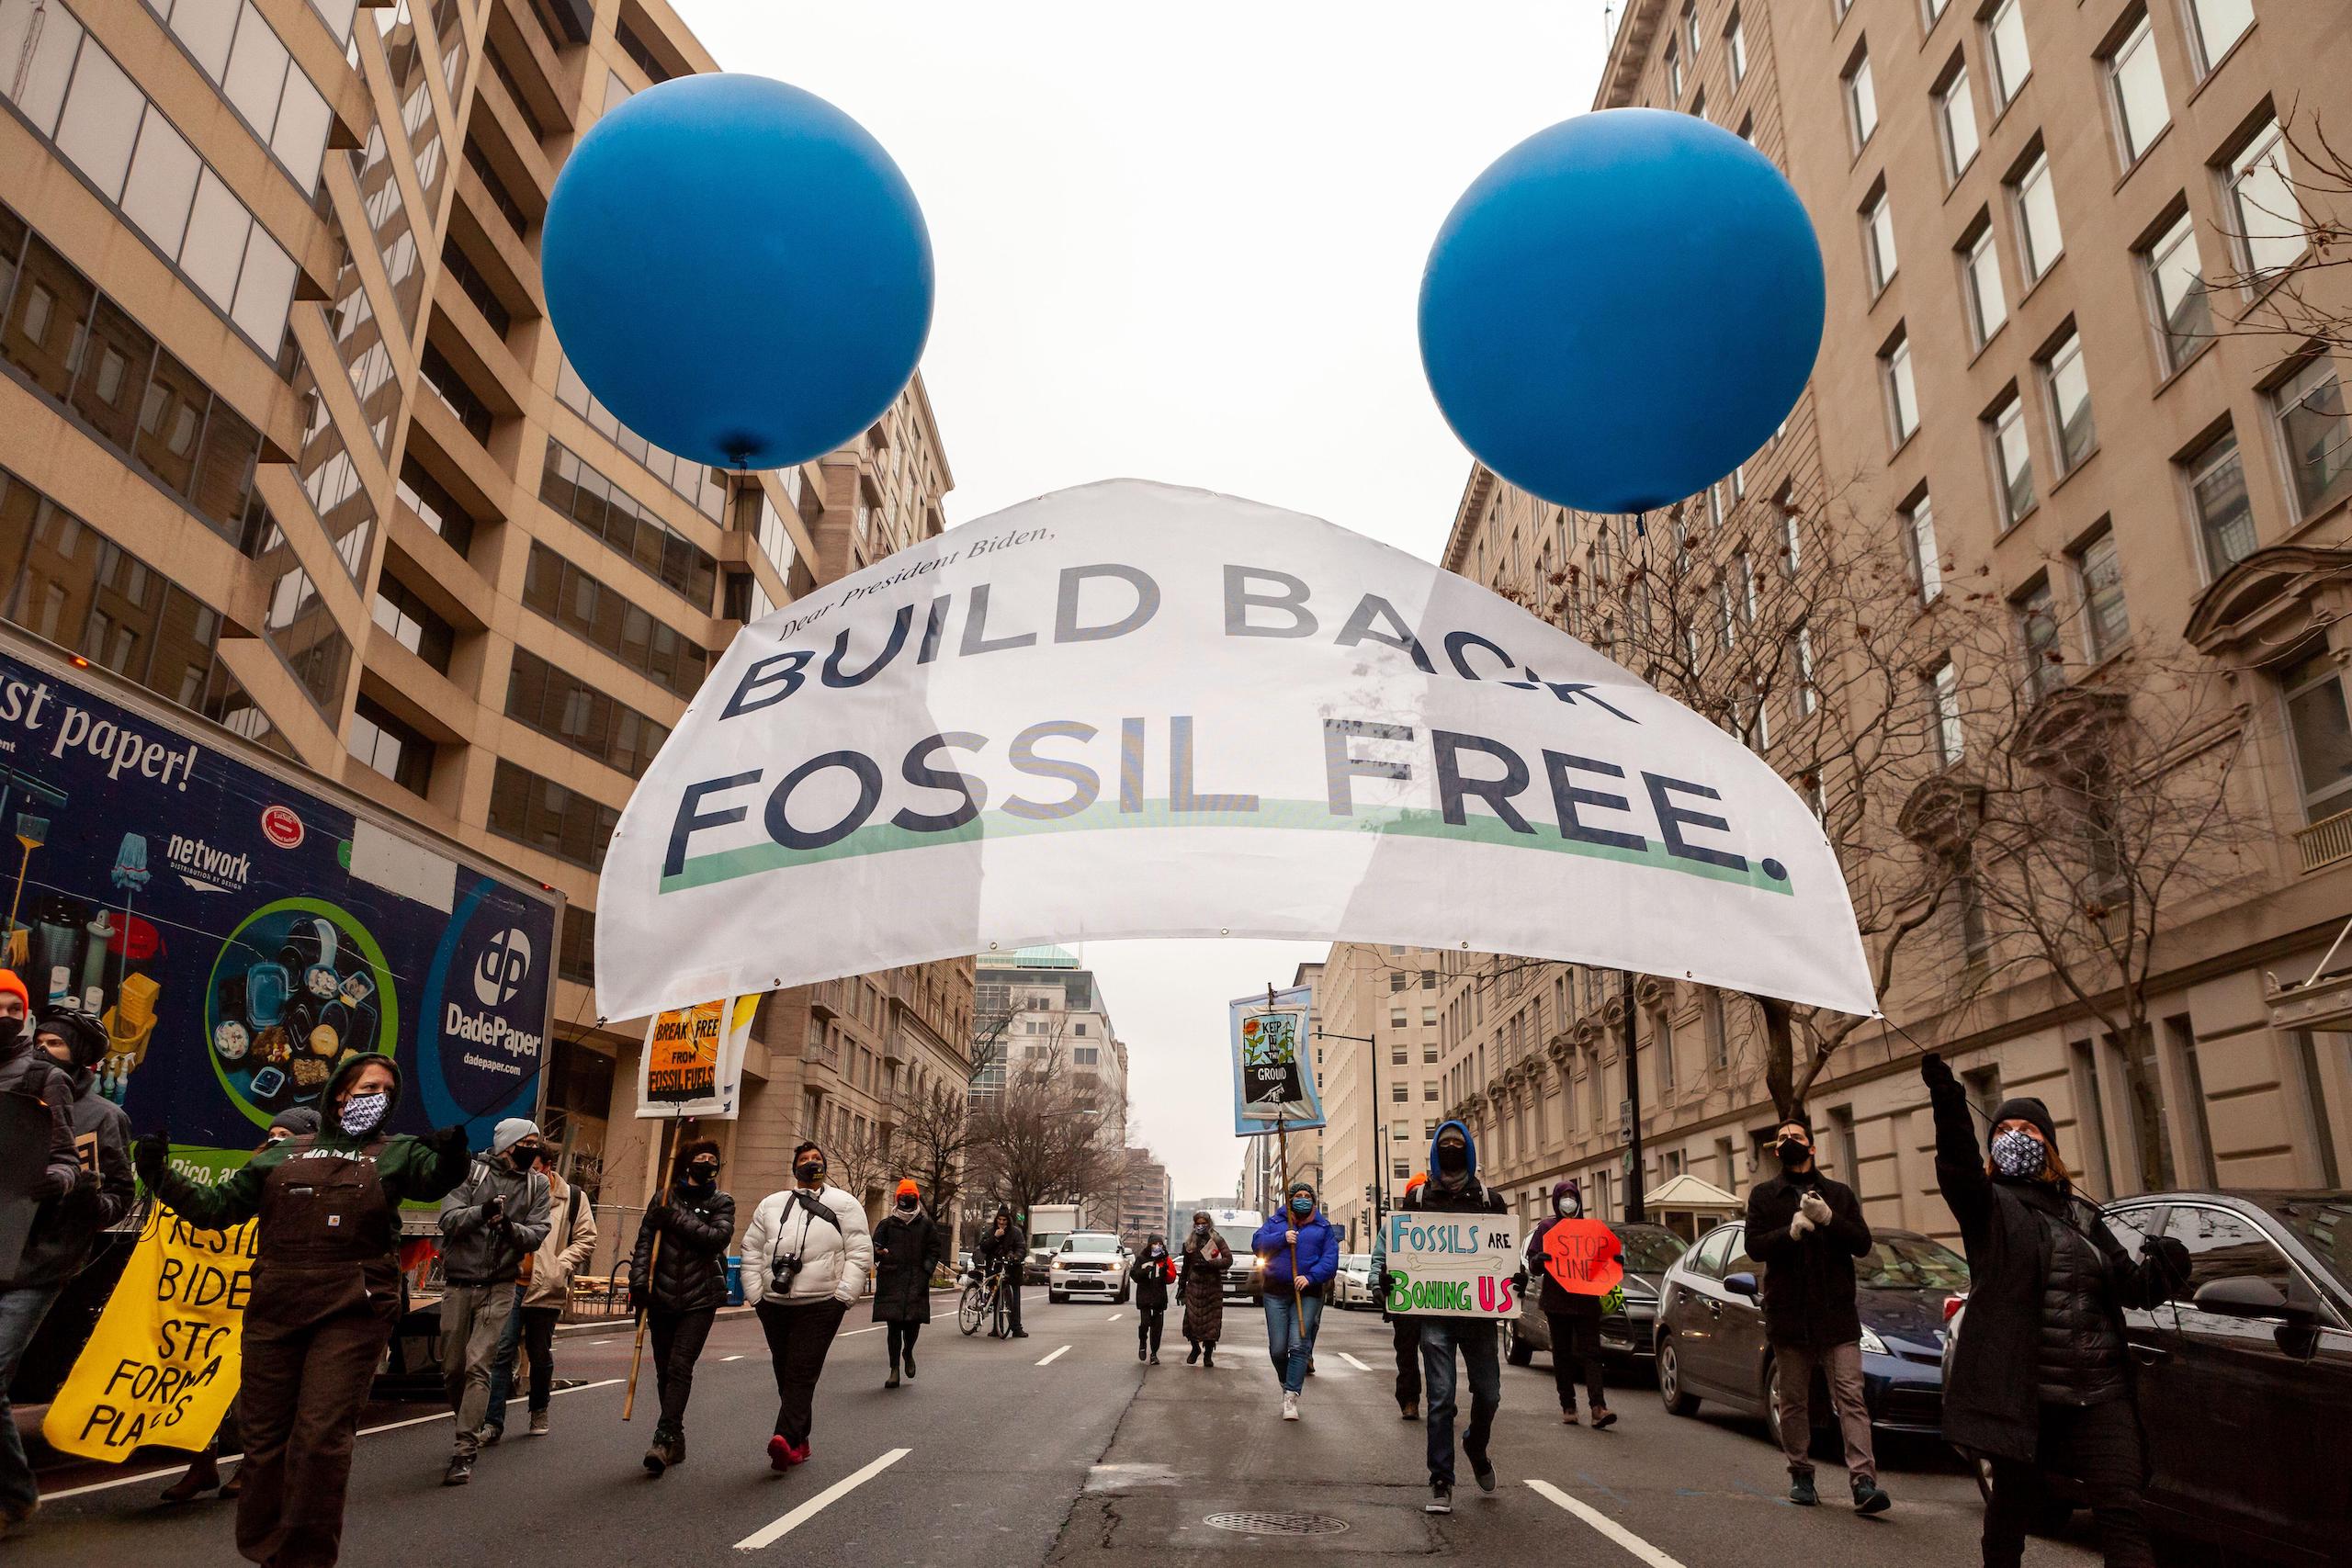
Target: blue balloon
x,y
1622,309
738,270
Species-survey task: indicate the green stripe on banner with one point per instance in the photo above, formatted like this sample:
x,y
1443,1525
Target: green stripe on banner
x,y
882,838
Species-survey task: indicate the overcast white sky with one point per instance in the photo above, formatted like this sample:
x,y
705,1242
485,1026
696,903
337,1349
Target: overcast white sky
x,y
1184,243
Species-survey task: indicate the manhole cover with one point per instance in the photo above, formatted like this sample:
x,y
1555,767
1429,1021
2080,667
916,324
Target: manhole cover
x,y
1278,1524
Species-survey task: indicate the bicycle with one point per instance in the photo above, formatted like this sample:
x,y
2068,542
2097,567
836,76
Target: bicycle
x,y
983,1301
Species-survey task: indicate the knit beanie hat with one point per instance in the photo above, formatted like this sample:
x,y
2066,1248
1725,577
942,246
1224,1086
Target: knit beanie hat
x,y
13,984
907,1189
2027,1109
511,1131
1420,1179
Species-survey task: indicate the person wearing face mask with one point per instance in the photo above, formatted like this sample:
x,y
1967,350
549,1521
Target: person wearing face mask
x,y
2041,1375
806,1254
1404,1329
1199,1278
490,1228
325,1295
1153,1272
1455,1189
203,1473
907,1246
679,1286
539,1300
1301,1252
1807,1230
1006,1249
1573,1316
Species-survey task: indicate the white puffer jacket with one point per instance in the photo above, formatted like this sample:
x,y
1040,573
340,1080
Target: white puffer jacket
x,y
834,1260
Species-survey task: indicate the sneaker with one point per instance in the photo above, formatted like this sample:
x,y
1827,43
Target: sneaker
x,y
1870,1497
1483,1474
1021,1334
1441,1498
1411,1412
780,1453
674,1447
460,1471
489,1434
538,1423
1289,1406
1569,1418
1603,1418
1142,1354
1801,1491
1155,1358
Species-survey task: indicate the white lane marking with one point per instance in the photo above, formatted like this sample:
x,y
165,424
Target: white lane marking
x,y
1113,1317
225,1459
731,1357
852,1333
1057,1355
769,1535
1606,1526
1353,1362
595,1342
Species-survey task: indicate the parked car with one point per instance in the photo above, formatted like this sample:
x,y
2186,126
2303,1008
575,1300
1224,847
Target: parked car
x,y
1089,1263
2253,1363
1711,1343
1625,1337
1351,1287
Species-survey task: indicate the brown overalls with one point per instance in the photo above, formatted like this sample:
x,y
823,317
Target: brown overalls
x,y
326,1294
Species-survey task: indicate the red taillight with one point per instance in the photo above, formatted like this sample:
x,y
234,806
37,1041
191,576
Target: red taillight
x,y
1953,1305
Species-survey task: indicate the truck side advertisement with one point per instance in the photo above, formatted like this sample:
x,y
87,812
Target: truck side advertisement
x,y
239,934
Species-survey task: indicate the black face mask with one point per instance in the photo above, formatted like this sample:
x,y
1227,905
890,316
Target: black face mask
x,y
907,1205
523,1159
809,1174
1452,1159
1793,1153
701,1176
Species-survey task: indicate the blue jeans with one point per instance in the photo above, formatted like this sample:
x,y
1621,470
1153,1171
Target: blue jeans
x,y
21,1309
1475,1337
1290,1334
501,1365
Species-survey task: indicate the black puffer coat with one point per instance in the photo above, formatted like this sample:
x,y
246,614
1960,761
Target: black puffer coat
x,y
1152,1277
906,1254
691,1273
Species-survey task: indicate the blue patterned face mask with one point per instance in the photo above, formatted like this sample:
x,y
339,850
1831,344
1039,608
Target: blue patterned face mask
x,y
362,1112
2019,1154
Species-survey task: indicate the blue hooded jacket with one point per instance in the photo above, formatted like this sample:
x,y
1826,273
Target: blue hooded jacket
x,y
1318,1251
1471,1197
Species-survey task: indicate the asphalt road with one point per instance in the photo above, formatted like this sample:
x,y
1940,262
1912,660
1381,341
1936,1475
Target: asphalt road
x,y
1060,1448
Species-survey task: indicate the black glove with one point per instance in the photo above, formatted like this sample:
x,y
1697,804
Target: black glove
x,y
84,1181
1379,1284
449,1142
494,1209
150,1156
657,1215
2167,1254
636,1302
1936,1074
1519,1282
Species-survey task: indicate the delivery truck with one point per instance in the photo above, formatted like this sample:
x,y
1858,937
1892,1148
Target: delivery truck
x,y
240,924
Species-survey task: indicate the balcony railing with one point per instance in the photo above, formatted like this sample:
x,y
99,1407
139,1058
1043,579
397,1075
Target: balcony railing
x,y
2325,841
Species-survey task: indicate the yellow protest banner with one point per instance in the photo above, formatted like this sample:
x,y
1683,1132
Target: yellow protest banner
x,y
164,1361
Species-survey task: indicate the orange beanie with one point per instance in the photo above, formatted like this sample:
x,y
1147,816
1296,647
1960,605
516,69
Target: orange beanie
x,y
13,984
907,1189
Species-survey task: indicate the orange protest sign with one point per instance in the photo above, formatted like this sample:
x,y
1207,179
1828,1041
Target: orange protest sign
x,y
1585,1256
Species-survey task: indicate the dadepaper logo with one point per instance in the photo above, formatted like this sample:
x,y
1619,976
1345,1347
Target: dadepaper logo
x,y
282,828
505,965
204,868
488,1029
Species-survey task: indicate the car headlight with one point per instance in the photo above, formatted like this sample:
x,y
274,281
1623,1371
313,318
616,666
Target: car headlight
x,y
1873,1344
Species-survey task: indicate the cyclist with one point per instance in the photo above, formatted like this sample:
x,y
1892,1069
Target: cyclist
x,y
1005,1249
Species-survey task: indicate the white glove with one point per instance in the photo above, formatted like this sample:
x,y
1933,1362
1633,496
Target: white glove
x,y
1815,1207
1800,1225
1291,1237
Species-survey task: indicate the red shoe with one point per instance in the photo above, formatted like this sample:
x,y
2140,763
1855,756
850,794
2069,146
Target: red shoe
x,y
780,1453
799,1455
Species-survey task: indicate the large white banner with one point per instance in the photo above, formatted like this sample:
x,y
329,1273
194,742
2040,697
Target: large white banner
x,y
1131,709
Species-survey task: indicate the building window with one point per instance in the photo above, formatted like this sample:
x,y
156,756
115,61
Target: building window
x,y
580,493
2034,201
1930,13
435,506
1673,75
1400,1093
1902,391
1980,270
548,816
1728,618
2098,577
1878,238
2214,28
1861,101
703,489
1943,691
2265,214
2012,460
1711,1022
2136,84
395,750
2320,727
2176,282
444,380
1956,122
1736,50
2067,387
2004,46
1800,665
2308,411
557,703
244,56
1396,1017
2045,662
1662,1048
2217,494
413,623
1919,538
606,619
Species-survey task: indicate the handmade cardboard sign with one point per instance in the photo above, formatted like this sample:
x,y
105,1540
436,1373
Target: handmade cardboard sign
x,y
1451,1265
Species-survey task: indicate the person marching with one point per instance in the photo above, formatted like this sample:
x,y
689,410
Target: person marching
x,y
1006,1250
908,1248
539,1300
1455,1189
2040,1374
83,1183
203,1473
1573,1316
1301,1251
1153,1272
805,1256
326,1296
680,1291
1201,1280
1807,1230
1404,1330
491,1227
